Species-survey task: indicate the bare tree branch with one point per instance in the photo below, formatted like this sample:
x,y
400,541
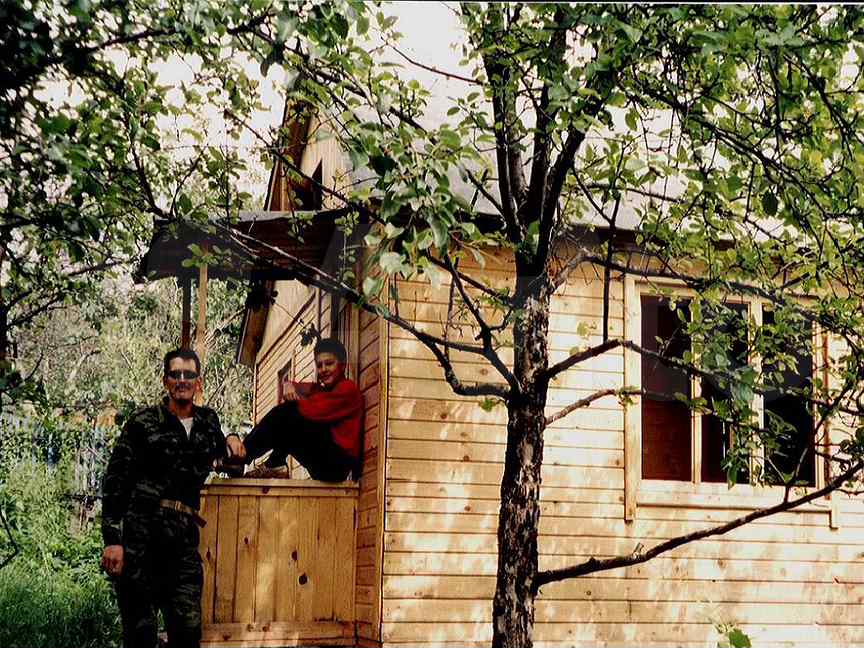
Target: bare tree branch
x,y
593,565
582,356
485,332
585,402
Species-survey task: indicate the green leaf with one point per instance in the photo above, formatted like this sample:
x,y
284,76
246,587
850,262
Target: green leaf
x,y
151,142
733,184
362,24
449,138
423,240
359,159
381,164
632,33
372,286
488,404
479,258
738,639
184,204
391,262
558,93
769,203
340,25
391,231
285,28
57,125
440,233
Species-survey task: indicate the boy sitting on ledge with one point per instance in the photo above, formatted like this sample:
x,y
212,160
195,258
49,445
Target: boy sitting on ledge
x,y
317,423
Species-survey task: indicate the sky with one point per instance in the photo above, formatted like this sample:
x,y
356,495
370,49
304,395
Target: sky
x,y
430,31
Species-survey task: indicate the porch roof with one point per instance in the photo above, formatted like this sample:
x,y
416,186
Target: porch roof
x,y
260,245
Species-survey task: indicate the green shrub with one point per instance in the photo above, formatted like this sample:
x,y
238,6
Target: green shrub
x,y
47,609
52,595
43,608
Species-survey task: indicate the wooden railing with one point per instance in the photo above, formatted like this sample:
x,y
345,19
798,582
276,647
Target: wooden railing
x,y
279,562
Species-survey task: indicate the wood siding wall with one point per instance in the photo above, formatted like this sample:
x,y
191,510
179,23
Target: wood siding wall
x,y
790,579
282,345
373,362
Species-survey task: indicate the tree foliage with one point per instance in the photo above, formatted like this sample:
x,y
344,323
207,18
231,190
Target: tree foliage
x,y
103,126
726,139
718,147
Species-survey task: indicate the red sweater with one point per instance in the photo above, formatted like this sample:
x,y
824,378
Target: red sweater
x,y
341,407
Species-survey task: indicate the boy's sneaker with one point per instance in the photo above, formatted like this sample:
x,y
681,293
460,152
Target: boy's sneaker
x,y
267,472
230,468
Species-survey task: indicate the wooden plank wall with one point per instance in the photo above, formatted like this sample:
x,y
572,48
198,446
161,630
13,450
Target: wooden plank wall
x,y
278,563
285,346
372,363
790,579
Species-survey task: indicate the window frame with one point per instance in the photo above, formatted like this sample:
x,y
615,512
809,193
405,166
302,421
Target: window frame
x,y
695,492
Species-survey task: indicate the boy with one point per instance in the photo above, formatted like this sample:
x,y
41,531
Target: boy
x,y
318,423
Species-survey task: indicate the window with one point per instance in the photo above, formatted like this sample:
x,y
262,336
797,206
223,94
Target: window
x,y
718,435
285,374
680,445
796,443
666,437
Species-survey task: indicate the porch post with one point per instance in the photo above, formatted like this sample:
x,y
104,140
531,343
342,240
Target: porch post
x,y
201,326
186,317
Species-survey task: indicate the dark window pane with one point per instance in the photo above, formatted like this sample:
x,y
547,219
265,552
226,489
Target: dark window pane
x,y
666,437
794,410
717,434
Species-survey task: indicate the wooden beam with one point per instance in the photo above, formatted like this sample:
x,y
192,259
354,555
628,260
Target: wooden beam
x,y
186,317
201,326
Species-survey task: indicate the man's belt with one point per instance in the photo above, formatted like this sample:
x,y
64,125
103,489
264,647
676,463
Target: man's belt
x,y
174,505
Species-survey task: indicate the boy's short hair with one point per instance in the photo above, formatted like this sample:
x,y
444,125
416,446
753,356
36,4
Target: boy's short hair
x,y
334,346
183,354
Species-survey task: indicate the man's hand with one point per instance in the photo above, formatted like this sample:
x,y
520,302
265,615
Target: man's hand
x,y
112,560
236,449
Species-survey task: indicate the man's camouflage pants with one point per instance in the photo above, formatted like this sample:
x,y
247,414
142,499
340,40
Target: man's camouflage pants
x,y
162,571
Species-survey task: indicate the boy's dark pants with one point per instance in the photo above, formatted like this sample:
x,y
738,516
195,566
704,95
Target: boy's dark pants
x,y
285,431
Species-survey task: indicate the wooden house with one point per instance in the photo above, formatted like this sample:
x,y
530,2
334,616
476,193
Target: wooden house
x,y
407,554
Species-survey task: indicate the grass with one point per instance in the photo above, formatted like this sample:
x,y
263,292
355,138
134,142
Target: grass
x,y
45,608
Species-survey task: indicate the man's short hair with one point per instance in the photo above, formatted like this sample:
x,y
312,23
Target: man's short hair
x,y
334,346
183,354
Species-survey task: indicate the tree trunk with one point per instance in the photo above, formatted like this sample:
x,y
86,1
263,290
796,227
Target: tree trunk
x,y
519,517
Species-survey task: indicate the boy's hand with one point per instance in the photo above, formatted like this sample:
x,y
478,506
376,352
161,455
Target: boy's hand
x,y
289,392
236,449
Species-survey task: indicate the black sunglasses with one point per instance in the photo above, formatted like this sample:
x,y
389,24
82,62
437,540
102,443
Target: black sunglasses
x,y
182,374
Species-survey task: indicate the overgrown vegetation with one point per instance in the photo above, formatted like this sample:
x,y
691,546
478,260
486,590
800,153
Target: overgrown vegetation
x,y
52,594
105,361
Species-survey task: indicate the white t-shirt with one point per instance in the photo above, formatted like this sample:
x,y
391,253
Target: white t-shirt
x,y
187,423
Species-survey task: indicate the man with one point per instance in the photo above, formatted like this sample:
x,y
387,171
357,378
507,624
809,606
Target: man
x,y
151,493
319,423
